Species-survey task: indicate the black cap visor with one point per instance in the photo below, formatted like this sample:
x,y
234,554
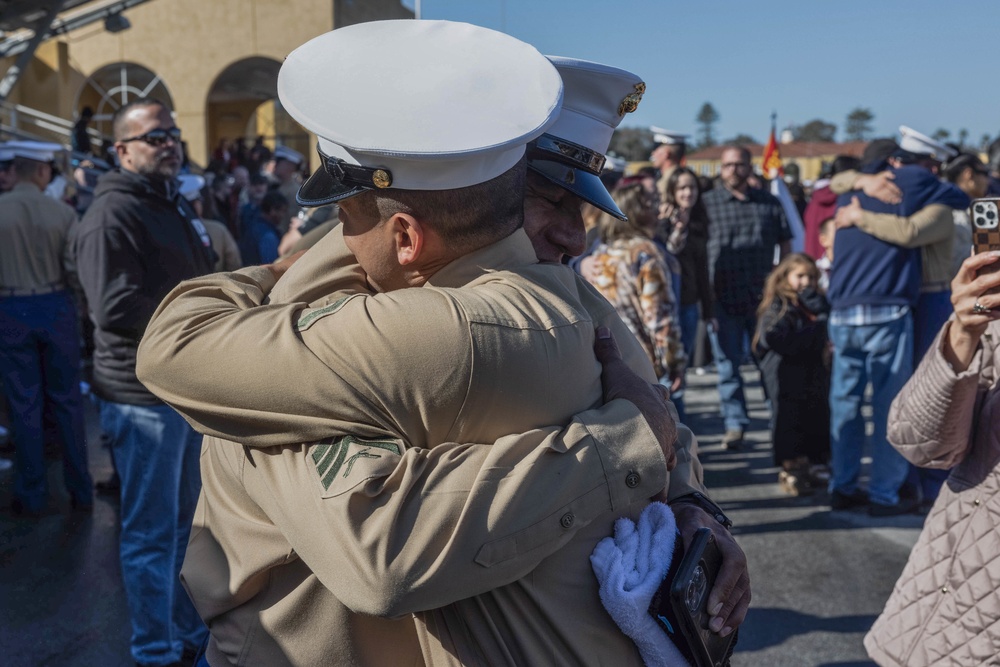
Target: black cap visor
x,y
584,184
337,180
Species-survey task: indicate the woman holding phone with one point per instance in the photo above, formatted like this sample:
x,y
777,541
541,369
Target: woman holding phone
x,y
945,608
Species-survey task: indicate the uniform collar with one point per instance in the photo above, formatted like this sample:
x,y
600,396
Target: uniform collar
x,y
25,186
512,252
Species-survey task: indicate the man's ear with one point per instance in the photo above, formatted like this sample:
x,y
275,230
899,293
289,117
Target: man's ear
x,y
409,236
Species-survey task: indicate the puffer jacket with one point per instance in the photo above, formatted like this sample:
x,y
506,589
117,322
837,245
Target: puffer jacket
x,y
945,608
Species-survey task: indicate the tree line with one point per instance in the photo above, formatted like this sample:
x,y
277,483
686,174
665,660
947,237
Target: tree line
x,y
635,143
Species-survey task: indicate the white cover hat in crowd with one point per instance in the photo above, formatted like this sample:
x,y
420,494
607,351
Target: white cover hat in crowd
x,y
286,153
920,144
661,136
6,154
596,98
42,151
191,186
416,105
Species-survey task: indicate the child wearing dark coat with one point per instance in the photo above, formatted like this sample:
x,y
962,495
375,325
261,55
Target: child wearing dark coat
x,y
791,346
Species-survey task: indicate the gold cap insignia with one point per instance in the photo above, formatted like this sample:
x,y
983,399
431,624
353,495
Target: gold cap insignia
x,y
381,178
631,101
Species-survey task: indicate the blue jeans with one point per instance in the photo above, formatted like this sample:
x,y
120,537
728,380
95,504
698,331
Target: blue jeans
x,y
729,346
883,355
689,329
40,372
157,455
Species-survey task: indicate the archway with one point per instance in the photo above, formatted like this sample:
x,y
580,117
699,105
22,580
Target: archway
x,y
112,86
243,103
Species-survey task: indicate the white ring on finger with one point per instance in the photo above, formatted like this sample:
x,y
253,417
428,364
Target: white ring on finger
x,y
979,309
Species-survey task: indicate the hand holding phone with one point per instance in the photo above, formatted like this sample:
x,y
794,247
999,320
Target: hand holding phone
x,y
679,606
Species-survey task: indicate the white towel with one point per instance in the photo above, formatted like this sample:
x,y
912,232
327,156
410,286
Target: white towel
x,y
630,568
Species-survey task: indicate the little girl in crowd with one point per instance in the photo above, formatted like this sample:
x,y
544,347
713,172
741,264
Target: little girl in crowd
x,y
791,345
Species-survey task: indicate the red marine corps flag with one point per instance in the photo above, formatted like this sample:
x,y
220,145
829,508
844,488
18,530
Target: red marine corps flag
x,y
771,165
773,169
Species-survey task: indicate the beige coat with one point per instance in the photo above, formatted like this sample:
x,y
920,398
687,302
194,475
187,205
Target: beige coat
x,y
388,524
945,608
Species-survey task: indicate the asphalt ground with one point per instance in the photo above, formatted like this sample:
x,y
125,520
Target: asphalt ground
x,y
819,578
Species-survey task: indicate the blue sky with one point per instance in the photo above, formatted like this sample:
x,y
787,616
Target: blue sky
x,y
927,64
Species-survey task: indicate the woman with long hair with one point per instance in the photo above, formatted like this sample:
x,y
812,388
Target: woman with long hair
x,y
628,268
683,229
791,346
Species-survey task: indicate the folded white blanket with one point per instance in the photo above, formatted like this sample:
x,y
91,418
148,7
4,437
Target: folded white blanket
x,y
630,568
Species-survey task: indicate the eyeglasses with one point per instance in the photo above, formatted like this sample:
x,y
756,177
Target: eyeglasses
x,y
735,165
157,137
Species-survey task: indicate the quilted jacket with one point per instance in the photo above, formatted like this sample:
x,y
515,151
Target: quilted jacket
x,y
945,608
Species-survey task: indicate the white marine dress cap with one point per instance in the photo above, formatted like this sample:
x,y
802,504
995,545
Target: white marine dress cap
x,y
596,98
6,154
416,105
669,137
191,186
42,151
918,143
286,153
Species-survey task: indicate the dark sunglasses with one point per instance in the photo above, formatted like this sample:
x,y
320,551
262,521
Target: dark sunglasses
x,y
158,137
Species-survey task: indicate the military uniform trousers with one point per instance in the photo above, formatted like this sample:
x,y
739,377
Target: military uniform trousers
x,y
40,366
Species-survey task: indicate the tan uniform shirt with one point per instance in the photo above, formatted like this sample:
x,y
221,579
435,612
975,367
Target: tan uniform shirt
x,y
932,229
422,527
226,249
33,232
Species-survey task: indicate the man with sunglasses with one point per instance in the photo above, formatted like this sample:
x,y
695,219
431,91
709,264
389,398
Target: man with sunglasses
x,y
137,241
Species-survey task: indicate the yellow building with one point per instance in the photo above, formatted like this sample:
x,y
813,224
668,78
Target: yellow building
x,y
214,62
810,157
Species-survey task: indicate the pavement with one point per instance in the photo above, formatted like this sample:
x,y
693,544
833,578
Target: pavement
x,y
819,578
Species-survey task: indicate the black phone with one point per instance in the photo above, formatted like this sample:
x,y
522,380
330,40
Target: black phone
x,y
679,606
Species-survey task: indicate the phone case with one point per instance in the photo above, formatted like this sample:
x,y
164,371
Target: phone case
x,y
986,231
679,607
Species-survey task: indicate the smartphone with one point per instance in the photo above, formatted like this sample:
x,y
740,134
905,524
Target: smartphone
x,y
986,232
679,606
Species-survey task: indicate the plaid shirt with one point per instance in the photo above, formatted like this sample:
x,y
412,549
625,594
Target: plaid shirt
x,y
742,235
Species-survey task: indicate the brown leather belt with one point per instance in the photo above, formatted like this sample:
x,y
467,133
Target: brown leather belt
x,y
32,291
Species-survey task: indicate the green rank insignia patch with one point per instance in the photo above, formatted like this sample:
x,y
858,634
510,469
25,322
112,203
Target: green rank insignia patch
x,y
312,316
337,460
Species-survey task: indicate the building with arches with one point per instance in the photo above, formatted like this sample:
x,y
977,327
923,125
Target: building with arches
x,y
214,62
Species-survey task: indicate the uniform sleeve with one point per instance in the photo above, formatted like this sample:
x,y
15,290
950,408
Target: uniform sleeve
x,y
688,476
424,528
843,182
274,374
931,224
111,272
327,268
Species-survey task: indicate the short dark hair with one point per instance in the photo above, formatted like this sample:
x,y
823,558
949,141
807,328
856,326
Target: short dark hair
x,y
953,169
843,163
272,201
468,218
877,152
25,167
119,123
744,151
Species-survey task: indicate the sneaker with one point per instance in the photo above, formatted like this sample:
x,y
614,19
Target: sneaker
x,y
902,506
733,440
843,501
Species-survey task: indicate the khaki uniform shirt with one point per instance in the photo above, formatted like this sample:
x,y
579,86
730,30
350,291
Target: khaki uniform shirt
x,y
395,524
33,233
227,250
